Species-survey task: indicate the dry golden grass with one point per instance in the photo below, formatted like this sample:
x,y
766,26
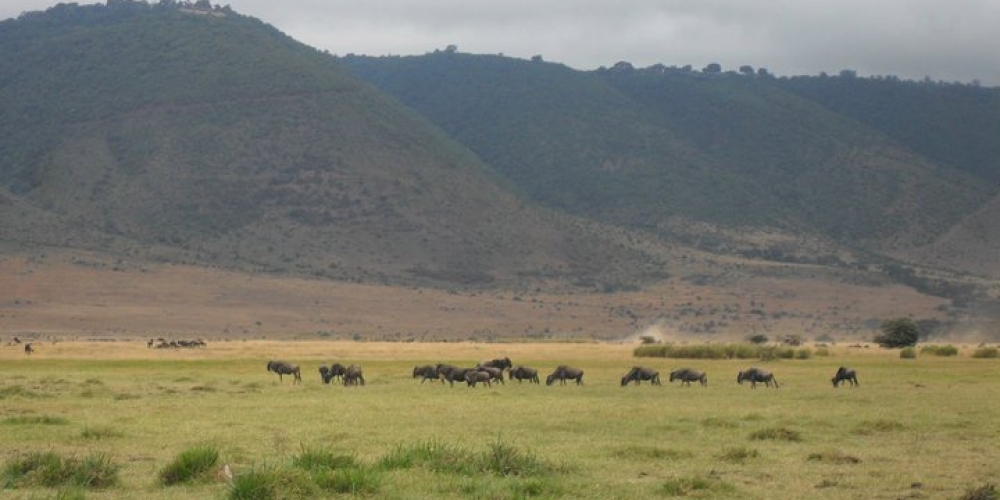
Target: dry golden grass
x,y
922,427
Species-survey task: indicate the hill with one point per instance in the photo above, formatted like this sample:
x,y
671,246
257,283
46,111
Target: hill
x,y
857,164
191,134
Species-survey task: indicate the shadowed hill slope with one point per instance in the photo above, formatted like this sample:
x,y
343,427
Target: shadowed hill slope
x,y
210,137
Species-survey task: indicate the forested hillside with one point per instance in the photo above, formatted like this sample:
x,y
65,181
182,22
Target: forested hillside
x,y
876,164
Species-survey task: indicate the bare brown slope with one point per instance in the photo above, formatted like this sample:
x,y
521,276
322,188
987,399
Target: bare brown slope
x,y
59,295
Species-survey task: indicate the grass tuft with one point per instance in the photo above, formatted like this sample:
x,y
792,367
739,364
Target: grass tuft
x,y
192,465
868,427
695,486
739,455
36,420
318,460
639,452
833,457
776,434
271,483
100,432
984,492
48,469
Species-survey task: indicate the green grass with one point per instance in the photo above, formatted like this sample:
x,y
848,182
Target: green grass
x,y
397,438
194,464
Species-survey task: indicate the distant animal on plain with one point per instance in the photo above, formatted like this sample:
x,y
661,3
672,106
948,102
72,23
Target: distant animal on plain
x,y
473,377
562,373
354,375
844,373
754,375
333,371
425,372
28,348
501,363
640,373
688,375
284,368
522,373
495,373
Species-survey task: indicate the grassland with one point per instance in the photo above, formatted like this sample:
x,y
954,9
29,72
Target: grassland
x,y
924,428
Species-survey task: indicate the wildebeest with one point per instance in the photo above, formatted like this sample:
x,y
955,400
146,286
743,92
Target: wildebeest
x,y
501,363
354,375
563,372
495,373
472,377
335,370
282,368
28,348
522,373
755,375
640,373
844,373
452,373
688,375
426,372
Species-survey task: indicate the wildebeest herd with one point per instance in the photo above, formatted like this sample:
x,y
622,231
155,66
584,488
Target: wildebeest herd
x,y
491,372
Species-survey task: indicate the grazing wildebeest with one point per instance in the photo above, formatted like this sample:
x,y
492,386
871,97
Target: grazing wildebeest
x,y
335,370
353,375
472,377
844,373
755,375
640,373
688,375
28,348
564,372
452,373
426,372
501,363
282,368
495,373
522,373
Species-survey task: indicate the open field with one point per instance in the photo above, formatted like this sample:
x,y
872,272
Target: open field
x,y
924,428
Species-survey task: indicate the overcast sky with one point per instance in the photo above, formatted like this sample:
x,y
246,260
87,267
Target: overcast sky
x,y
950,40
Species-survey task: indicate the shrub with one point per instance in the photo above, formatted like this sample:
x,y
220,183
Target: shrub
x,y
908,353
759,338
986,352
939,350
822,351
899,332
195,464
803,354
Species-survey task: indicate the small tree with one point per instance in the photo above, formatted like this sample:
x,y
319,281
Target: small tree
x,y
898,332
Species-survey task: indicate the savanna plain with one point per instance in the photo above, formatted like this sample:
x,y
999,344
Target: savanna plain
x,y
915,428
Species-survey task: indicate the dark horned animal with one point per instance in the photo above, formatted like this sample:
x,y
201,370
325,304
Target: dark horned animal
x,y
354,375
522,373
755,375
844,373
334,371
283,368
563,372
640,373
425,372
688,375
